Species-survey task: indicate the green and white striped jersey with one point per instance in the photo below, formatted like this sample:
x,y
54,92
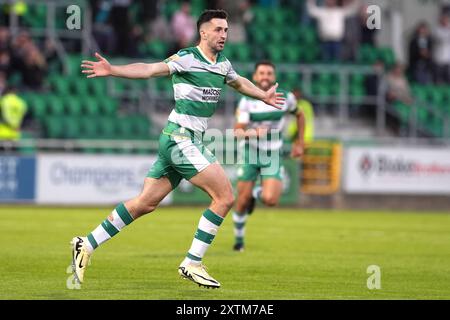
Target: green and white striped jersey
x,y
197,84
256,113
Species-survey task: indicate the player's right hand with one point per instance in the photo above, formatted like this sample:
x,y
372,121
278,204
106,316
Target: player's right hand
x,y
100,68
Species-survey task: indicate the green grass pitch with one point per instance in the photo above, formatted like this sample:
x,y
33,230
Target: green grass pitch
x,y
291,254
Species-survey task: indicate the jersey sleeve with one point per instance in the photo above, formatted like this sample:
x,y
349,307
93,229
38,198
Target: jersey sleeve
x,y
231,74
291,102
179,63
242,112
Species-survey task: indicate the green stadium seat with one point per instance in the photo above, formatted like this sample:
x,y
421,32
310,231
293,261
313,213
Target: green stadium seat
x,y
357,92
293,54
281,17
88,128
320,89
259,36
291,35
38,106
310,54
35,16
98,87
54,128
290,80
72,128
55,105
357,79
91,107
107,128
275,36
80,86
261,15
436,96
74,105
436,126
142,126
275,53
387,56
60,85
422,115
108,106
73,63
367,55
125,128
403,110
419,92
308,36
243,52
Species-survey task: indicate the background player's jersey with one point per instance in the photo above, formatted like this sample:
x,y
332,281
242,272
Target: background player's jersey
x,y
256,113
197,85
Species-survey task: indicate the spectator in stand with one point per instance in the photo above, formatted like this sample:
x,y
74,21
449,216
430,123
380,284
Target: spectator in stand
x,y
420,55
4,39
239,16
120,20
3,83
12,111
160,30
441,51
19,46
183,26
398,86
5,63
34,68
331,21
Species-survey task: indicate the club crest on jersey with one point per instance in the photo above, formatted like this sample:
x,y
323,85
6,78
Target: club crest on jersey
x,y
172,58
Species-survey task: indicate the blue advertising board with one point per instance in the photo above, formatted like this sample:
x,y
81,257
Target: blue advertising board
x,y
17,178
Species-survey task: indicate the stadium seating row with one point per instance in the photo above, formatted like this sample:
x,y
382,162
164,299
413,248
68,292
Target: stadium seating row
x,y
42,106
132,127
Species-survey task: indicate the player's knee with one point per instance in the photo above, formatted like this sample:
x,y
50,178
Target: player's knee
x,y
227,200
269,200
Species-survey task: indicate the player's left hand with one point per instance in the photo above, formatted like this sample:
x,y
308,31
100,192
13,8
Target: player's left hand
x,y
274,98
297,150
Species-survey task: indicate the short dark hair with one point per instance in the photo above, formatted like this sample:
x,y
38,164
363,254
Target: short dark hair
x,y
208,15
264,63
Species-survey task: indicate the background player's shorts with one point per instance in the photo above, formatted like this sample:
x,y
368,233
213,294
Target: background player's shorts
x,y
181,155
255,166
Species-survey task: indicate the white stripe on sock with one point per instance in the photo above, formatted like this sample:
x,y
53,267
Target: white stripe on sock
x,y
198,248
239,232
239,218
207,226
117,221
100,235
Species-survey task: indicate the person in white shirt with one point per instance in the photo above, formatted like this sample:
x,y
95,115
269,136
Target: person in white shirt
x,y
441,52
331,24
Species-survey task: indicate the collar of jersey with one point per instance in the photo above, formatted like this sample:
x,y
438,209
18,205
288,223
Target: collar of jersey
x,y
205,57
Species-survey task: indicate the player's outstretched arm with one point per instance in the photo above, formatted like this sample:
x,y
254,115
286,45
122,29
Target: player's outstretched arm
x,y
247,88
102,68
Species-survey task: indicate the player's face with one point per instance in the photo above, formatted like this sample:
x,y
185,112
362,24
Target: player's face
x,y
264,77
215,33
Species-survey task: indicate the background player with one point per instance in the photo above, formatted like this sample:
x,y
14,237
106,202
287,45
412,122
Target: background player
x,y
255,120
